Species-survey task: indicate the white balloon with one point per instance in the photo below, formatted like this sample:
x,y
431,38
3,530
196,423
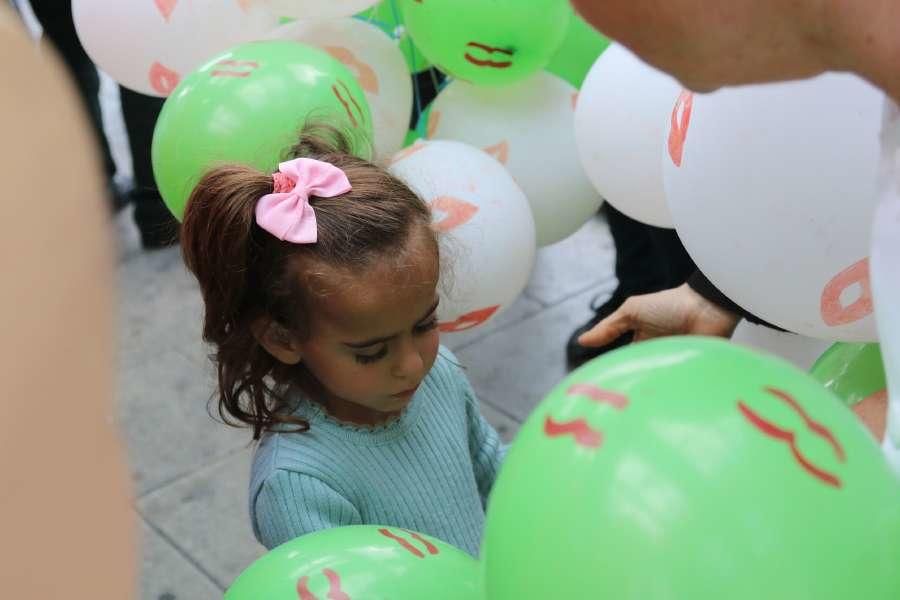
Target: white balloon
x,y
380,69
528,127
317,9
619,127
799,350
150,46
774,198
486,226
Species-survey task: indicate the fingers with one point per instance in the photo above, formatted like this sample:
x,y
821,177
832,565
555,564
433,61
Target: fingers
x,y
610,328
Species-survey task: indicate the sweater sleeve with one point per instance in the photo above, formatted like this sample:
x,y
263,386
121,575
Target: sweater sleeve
x,y
485,446
291,504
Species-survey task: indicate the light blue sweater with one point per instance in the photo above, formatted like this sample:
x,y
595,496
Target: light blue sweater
x,y
430,470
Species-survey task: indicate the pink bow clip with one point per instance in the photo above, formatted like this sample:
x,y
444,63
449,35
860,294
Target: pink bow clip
x,y
286,213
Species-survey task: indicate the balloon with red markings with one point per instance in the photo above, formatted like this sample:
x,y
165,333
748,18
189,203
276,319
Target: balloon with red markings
x,y
246,106
150,46
682,467
488,43
772,189
620,122
378,65
485,224
529,127
360,562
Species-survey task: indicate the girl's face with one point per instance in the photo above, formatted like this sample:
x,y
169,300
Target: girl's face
x,y
374,337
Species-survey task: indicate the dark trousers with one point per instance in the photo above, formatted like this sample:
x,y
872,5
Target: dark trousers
x,y
139,112
648,259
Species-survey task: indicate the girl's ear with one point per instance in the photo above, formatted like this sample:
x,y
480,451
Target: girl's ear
x,y
276,340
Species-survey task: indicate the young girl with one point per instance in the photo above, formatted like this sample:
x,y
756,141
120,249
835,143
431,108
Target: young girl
x,y
320,290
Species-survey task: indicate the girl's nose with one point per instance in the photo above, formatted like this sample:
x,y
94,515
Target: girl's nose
x,y
409,363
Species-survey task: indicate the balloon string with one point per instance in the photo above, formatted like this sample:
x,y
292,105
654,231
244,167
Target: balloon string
x,y
417,93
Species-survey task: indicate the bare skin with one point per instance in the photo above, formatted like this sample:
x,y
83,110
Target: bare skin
x,y
678,311
708,45
65,509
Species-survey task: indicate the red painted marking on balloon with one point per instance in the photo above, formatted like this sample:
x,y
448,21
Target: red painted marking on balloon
x,y
431,548
500,151
814,426
251,64
487,63
406,153
457,212
434,118
237,68
163,79
403,542
681,121
337,94
833,311
365,74
583,434
334,586
503,64
574,100
303,589
788,437
165,8
469,320
599,395
245,5
490,49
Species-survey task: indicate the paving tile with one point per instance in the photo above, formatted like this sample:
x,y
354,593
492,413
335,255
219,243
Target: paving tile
x,y
163,411
584,260
167,575
206,514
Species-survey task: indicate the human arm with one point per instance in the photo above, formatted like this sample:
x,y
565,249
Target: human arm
x,y
291,504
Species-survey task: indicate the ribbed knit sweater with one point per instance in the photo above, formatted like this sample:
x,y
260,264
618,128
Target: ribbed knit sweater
x,y
430,470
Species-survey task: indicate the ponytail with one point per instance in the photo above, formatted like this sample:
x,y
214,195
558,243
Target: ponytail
x,y
225,249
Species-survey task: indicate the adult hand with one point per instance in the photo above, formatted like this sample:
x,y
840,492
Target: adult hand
x,y
677,311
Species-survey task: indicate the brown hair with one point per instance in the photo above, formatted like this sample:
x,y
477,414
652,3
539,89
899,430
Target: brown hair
x,y
246,273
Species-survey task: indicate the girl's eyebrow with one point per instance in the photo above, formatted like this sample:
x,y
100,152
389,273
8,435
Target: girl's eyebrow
x,y
379,340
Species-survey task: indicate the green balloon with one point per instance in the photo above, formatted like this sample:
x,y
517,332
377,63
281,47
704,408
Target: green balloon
x,y
412,136
247,106
490,43
361,562
389,18
580,49
853,371
692,468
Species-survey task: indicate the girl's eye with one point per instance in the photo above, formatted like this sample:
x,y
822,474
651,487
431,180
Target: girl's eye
x,y
365,359
427,326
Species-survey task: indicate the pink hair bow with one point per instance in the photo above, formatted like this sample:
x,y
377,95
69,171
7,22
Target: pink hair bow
x,y
286,213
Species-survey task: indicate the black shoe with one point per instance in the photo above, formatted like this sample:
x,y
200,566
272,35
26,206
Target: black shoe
x,y
576,354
